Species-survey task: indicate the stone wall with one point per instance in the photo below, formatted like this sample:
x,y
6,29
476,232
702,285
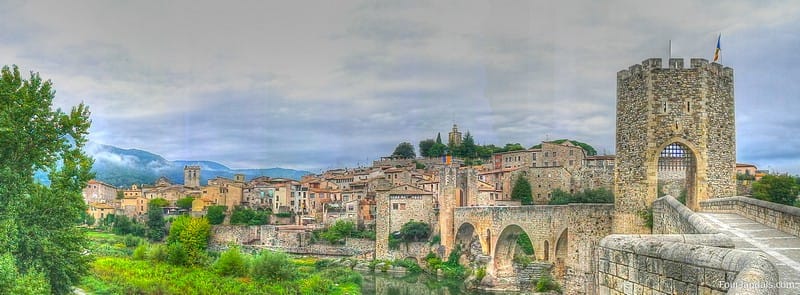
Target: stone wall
x,y
258,235
781,217
648,264
528,275
659,106
672,217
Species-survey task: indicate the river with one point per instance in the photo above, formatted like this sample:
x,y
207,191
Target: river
x,y
416,284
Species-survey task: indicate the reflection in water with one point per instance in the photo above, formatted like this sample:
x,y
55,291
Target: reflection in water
x,y
415,284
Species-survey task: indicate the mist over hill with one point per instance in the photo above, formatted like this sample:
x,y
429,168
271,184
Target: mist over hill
x,y
123,167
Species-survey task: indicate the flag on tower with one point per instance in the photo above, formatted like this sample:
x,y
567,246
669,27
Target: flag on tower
x,y
716,52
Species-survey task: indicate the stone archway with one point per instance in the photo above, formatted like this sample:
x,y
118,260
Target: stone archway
x,y
561,254
677,173
504,250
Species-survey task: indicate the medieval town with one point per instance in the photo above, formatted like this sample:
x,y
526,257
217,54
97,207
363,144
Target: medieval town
x,y
659,217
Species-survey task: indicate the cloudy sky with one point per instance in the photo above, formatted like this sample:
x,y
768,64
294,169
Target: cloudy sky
x,y
317,85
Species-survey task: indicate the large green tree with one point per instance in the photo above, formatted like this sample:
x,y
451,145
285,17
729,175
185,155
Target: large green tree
x,y
781,189
425,147
522,191
216,214
39,223
404,150
156,226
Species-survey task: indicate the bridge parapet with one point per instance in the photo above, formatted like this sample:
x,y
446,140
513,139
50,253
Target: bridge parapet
x,y
663,264
672,217
781,217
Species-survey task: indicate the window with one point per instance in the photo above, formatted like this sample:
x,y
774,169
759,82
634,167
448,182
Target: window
x,y
571,162
554,154
399,206
545,163
546,154
570,152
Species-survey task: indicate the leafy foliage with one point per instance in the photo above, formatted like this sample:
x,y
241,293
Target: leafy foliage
x,y
273,266
337,232
782,189
245,216
600,195
415,231
522,191
124,225
404,150
192,235
216,214
425,147
546,284
524,242
156,226
231,263
185,203
38,223
160,202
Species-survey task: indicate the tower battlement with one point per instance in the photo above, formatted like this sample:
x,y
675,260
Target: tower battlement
x,y
657,107
655,64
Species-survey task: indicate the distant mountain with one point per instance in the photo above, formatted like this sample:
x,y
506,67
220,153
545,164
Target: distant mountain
x,y
123,167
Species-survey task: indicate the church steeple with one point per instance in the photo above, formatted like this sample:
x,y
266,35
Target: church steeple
x,y
454,138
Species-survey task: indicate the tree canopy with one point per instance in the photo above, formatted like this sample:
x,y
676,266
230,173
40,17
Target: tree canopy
x,y
415,231
185,203
425,146
782,189
45,245
159,202
600,195
404,150
522,191
216,214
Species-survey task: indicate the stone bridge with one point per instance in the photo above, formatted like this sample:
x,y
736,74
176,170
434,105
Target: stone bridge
x,y
562,234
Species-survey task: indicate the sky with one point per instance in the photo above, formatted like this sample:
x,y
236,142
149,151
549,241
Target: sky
x,y
316,85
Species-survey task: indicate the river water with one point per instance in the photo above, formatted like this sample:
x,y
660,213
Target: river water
x,y
416,284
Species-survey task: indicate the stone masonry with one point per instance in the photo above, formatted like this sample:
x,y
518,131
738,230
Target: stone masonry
x,y
659,106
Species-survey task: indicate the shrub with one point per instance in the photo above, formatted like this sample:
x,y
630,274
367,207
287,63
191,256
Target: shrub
x,y
433,261
140,253
435,240
480,274
546,284
394,242
524,242
131,241
409,264
231,263
176,254
523,260
415,231
273,266
342,275
216,214
157,253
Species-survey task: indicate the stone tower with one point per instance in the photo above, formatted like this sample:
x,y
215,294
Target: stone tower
x,y
191,176
670,114
454,138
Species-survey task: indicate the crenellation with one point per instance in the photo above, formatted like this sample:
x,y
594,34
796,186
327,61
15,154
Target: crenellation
x,y
651,63
676,63
698,63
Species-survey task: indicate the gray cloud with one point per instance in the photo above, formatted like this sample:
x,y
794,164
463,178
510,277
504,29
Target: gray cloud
x,y
323,85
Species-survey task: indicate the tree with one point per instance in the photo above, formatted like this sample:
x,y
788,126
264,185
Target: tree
x,y
38,223
437,150
415,231
185,203
425,147
439,138
192,235
216,214
510,147
160,202
271,266
339,231
780,189
522,191
404,150
156,226
231,263
468,149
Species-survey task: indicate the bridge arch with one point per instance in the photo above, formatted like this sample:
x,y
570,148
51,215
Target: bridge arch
x,y
561,254
506,246
466,234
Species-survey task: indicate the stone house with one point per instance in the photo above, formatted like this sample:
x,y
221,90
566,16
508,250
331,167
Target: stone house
x,y
99,192
100,210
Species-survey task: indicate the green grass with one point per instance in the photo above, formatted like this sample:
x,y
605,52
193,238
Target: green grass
x,y
115,272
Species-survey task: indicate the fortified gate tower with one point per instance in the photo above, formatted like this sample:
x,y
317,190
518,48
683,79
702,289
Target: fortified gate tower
x,y
672,121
